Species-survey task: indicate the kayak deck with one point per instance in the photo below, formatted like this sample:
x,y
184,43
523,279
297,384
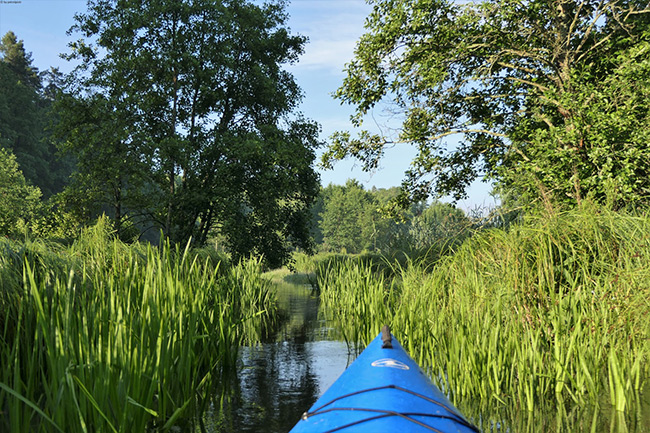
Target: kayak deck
x,y
383,390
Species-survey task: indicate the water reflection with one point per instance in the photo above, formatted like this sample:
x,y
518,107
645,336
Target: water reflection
x,y
279,379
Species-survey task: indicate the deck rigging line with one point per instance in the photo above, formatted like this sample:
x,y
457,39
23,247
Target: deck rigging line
x,y
386,413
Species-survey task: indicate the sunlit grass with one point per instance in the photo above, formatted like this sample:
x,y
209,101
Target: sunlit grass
x,y
287,276
109,337
553,310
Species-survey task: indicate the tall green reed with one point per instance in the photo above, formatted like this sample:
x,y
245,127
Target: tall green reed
x,y
122,338
353,293
554,309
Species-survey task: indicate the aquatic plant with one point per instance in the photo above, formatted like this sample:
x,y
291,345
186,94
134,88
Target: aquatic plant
x,y
550,310
121,338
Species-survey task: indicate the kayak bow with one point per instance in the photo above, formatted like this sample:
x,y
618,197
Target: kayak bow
x,y
383,390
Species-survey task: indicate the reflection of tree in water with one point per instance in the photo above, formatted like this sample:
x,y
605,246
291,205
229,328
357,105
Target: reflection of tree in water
x,y
275,382
299,311
277,386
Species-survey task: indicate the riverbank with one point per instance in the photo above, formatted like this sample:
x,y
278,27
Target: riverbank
x,y
105,336
539,328
287,276
550,312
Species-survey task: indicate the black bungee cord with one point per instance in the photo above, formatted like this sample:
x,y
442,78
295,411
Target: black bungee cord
x,y
386,413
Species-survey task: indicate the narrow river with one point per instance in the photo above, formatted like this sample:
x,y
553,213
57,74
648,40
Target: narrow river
x,y
281,378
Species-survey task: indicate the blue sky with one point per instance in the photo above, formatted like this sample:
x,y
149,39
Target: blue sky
x,y
332,26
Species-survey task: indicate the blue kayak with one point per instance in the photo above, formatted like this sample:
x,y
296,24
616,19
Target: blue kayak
x,y
383,390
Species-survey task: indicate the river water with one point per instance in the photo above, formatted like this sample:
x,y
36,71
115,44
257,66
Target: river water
x,y
282,377
279,379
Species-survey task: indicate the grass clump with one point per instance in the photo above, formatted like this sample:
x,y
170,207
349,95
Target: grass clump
x,y
104,336
550,310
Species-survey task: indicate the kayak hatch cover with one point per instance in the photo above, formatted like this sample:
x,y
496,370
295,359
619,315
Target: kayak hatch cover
x,y
383,390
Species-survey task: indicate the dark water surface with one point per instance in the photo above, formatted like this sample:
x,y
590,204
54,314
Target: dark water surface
x,y
278,380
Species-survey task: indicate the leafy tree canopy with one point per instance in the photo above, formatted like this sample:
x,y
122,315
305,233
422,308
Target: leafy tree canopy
x,y
191,110
18,60
439,222
346,213
25,115
20,120
351,219
545,97
18,201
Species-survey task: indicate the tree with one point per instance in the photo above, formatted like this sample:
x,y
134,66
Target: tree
x,y
110,170
513,82
19,61
18,201
202,101
351,219
21,125
439,222
25,116
347,211
601,151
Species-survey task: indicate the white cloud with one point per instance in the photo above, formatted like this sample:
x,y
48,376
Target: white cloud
x,y
329,55
333,28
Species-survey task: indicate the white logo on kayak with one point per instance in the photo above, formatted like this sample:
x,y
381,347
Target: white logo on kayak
x,y
391,363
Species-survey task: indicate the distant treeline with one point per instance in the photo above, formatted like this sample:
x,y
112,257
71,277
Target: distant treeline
x,y
351,219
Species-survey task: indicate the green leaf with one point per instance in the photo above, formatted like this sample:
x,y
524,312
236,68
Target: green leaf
x,y
30,404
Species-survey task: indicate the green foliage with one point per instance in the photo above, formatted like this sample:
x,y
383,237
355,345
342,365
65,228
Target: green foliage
x,y
354,221
19,202
439,224
267,208
20,121
56,223
181,113
19,61
344,211
547,98
24,117
346,285
551,312
109,169
104,336
351,220
601,149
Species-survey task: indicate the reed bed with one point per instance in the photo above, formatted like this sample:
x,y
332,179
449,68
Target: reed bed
x,y
102,336
551,311
354,293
